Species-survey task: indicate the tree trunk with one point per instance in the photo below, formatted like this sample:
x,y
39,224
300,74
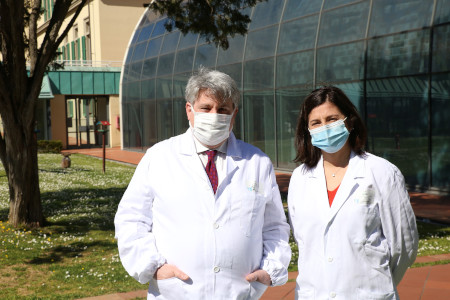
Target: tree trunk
x,y
21,157
19,90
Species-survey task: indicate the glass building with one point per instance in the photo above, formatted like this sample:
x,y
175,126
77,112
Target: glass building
x,y
392,58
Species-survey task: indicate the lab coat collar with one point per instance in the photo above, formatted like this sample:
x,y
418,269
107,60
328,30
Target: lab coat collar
x,y
350,182
234,152
187,145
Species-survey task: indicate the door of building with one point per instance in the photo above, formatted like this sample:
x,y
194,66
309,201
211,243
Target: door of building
x,y
82,114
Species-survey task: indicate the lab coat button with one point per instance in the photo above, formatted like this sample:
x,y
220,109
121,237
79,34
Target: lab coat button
x,y
330,259
332,294
216,269
216,225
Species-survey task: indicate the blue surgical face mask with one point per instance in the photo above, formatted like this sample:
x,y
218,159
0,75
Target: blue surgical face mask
x,y
331,137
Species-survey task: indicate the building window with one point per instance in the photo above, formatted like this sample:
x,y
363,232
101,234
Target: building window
x,y
87,52
76,44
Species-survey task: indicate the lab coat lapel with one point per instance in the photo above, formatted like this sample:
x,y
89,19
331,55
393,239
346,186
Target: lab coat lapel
x,y
187,149
320,184
189,153
233,153
349,184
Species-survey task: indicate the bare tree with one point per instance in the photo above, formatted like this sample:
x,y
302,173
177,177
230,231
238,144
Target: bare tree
x,y
23,63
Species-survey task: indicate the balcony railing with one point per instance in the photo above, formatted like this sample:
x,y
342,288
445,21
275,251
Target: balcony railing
x,y
90,63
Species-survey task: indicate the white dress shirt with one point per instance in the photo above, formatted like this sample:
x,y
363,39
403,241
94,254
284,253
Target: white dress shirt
x,y
219,159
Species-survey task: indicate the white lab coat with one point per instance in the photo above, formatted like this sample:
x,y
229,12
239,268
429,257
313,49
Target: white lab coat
x,y
169,213
361,246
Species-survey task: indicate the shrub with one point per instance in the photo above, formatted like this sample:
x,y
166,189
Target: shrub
x,y
45,146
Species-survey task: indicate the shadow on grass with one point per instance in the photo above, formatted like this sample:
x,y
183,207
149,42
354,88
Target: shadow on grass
x,y
432,230
81,210
76,249
63,171
75,210
4,214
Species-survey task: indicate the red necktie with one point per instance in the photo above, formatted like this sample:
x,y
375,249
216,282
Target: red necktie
x,y
211,169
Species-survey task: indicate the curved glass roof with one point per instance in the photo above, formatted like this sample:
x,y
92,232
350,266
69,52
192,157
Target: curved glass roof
x,y
390,57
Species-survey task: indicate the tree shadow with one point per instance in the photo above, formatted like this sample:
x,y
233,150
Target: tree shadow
x,y
63,171
81,210
73,250
429,230
4,212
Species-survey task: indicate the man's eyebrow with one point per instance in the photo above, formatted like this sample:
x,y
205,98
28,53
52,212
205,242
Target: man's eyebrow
x,y
223,105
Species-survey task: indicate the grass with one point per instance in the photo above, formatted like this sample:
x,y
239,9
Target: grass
x,y
76,255
433,239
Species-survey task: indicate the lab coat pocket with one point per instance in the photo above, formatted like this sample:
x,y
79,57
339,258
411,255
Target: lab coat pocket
x,y
305,294
171,288
378,258
367,295
251,212
257,289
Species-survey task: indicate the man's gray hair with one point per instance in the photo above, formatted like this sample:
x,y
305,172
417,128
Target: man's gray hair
x,y
214,83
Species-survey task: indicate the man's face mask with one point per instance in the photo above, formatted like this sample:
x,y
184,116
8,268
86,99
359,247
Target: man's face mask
x,y
211,129
331,137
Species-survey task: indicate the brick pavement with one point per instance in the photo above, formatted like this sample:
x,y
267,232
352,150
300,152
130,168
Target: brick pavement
x,y
424,283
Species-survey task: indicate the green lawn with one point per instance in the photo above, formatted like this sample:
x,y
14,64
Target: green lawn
x,y
76,255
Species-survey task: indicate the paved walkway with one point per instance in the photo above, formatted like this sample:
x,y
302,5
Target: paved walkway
x,y
425,283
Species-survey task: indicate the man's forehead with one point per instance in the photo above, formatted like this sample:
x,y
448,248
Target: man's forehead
x,y
206,96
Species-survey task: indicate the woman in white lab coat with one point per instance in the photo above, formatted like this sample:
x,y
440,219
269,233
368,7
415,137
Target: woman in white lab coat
x,y
349,210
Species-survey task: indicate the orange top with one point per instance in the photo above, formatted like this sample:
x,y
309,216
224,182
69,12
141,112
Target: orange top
x,y
331,195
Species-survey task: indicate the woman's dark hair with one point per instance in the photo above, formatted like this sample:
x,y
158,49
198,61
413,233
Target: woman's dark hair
x,y
306,152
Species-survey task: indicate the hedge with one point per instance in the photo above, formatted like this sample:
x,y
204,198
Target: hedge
x,y
45,146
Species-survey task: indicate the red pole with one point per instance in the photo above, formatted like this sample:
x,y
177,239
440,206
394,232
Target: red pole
x,y
104,151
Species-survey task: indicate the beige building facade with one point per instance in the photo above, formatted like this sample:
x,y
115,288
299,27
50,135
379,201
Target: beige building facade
x,y
86,91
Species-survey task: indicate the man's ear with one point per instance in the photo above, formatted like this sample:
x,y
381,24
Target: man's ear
x,y
189,113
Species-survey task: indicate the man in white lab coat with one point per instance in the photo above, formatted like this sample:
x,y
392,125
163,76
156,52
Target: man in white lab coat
x,y
202,216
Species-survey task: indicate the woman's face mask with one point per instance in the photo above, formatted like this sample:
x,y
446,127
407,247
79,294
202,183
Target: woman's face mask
x,y
331,137
211,129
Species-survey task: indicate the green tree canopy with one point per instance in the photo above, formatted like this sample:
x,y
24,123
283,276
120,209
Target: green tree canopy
x,y
214,20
